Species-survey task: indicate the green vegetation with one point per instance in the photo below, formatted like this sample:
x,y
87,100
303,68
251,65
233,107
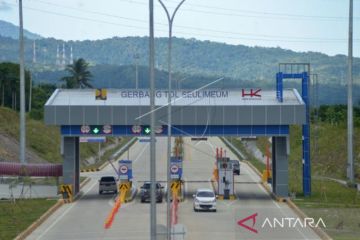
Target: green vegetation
x,y
108,154
43,140
79,75
16,217
10,85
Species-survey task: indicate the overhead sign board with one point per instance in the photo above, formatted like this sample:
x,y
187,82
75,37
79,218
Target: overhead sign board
x,y
92,139
214,93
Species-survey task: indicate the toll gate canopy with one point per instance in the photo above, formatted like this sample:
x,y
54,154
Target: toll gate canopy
x,y
207,112
210,112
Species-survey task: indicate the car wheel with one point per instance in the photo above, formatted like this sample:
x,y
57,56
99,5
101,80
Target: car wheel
x,y
100,192
195,210
214,210
142,201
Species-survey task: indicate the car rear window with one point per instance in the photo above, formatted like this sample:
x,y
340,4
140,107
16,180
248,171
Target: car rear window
x,y
107,179
205,194
235,163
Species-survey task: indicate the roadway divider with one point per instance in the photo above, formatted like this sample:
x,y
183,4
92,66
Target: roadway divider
x,y
123,190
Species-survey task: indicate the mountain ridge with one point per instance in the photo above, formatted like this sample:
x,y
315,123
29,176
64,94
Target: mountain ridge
x,y
12,31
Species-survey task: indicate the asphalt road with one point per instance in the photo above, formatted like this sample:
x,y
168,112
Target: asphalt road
x,y
84,219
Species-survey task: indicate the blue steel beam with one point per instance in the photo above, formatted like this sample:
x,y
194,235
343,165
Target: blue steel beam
x,y
280,76
186,130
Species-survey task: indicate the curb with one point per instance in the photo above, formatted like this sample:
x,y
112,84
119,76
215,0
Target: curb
x,y
24,234
320,232
39,221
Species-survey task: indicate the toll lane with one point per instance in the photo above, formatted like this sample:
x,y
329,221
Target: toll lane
x,y
251,199
84,219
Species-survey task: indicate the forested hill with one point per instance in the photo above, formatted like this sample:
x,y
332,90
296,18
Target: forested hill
x,y
189,56
10,30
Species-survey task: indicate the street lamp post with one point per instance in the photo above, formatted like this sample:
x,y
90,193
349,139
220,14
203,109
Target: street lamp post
x,y
350,168
22,86
170,20
152,123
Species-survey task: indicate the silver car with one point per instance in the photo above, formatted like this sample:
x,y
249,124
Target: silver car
x,y
107,184
204,199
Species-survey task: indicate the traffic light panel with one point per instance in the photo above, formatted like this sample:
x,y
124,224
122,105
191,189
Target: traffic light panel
x,y
146,130
95,130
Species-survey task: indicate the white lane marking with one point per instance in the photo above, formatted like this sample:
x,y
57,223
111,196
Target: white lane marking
x,y
251,172
65,212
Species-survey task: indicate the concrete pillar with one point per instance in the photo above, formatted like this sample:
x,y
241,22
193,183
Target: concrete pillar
x,y
71,173
280,167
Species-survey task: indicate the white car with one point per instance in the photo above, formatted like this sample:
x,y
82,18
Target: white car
x,y
204,199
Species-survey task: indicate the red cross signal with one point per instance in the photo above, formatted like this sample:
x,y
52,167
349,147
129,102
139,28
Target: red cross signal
x,y
252,93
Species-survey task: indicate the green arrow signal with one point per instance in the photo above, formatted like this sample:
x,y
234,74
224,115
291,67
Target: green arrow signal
x,y
147,130
96,130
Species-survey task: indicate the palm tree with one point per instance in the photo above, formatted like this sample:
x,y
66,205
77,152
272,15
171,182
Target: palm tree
x,y
79,75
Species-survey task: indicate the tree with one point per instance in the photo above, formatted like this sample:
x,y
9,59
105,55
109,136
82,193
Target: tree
x,y
10,84
80,75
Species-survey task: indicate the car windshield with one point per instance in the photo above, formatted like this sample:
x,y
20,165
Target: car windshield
x,y
147,186
205,194
107,179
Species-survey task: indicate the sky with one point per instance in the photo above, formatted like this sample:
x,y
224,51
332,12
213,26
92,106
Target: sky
x,y
299,25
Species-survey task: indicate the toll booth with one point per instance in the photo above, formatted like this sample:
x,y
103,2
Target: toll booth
x,y
125,178
125,170
226,178
176,175
176,168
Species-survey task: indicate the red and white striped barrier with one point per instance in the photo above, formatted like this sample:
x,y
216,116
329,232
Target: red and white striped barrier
x,y
34,170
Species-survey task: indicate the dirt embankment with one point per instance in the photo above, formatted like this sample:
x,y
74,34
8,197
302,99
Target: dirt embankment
x,y
9,151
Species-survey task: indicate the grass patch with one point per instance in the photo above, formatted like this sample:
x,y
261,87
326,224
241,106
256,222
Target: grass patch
x,y
43,140
16,217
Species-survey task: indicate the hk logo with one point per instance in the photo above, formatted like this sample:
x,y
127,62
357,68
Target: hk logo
x,y
247,226
252,93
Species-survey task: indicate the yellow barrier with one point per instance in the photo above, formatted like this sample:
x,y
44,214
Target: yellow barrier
x,y
66,192
121,199
266,175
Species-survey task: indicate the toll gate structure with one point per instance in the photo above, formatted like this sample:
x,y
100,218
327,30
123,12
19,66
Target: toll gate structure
x,y
207,112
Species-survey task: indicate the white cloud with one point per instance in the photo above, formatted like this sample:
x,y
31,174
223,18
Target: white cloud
x,y
5,6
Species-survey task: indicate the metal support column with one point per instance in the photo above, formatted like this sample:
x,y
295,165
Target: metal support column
x,y
71,173
306,137
280,167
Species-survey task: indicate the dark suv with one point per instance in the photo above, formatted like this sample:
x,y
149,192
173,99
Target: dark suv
x,y
145,192
235,166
